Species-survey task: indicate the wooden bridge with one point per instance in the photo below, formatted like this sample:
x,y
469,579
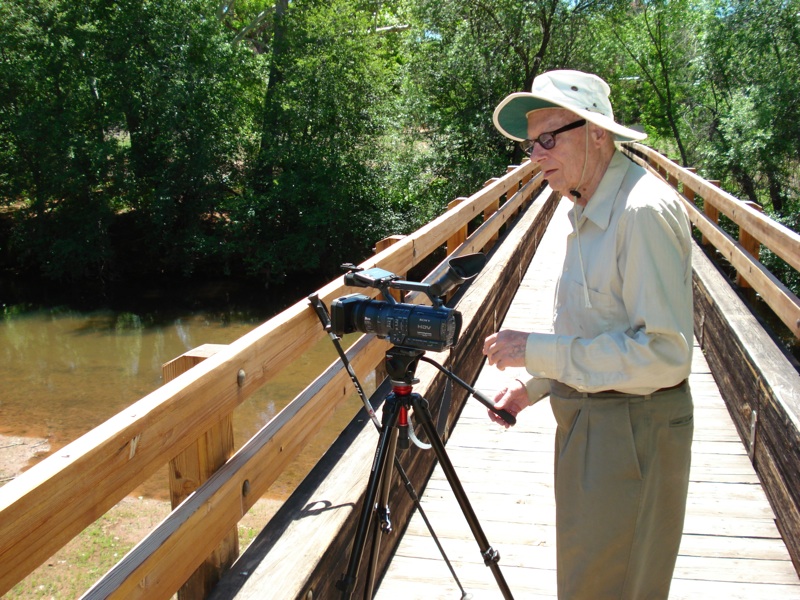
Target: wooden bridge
x,y
742,535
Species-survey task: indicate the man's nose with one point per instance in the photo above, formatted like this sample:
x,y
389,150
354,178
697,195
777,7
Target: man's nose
x,y
537,153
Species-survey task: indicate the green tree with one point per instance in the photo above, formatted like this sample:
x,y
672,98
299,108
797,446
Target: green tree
x,y
463,58
315,195
183,97
57,156
752,67
655,49
110,107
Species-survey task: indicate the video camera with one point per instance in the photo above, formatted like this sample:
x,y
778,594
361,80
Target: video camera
x,y
416,326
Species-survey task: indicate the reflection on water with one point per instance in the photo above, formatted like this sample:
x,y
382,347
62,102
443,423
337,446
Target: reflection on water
x,y
63,372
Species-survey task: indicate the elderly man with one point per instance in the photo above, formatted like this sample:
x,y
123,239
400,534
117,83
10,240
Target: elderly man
x,y
616,365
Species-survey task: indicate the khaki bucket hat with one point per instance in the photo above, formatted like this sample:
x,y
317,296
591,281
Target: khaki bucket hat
x,y
584,94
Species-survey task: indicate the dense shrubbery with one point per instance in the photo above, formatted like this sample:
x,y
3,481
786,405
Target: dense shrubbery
x,y
141,137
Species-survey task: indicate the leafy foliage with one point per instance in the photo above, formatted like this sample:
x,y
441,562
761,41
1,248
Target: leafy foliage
x,y
314,195
117,106
270,138
752,68
463,58
654,41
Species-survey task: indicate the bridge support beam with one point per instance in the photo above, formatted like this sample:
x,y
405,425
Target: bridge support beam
x,y
189,469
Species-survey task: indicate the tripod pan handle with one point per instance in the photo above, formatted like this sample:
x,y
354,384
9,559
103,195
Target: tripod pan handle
x,y
505,415
500,412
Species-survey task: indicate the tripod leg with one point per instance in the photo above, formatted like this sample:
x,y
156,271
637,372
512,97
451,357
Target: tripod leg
x,y
490,556
418,505
391,409
383,523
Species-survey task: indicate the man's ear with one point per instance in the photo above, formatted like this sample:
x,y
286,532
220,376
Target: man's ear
x,y
601,137
597,133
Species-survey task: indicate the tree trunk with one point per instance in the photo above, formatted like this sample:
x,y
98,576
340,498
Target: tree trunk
x,y
775,192
264,167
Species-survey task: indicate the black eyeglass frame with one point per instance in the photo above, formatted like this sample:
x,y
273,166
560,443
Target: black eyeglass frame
x,y
547,140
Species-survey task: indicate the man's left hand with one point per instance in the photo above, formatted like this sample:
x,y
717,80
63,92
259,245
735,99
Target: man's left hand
x,y
506,348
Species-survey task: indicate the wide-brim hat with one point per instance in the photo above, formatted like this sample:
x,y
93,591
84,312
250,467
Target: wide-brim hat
x,y
582,93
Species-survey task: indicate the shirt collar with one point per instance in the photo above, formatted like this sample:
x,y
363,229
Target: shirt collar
x,y
598,208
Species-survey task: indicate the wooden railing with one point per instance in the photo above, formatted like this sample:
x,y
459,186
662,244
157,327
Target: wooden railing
x,y
186,423
759,383
755,230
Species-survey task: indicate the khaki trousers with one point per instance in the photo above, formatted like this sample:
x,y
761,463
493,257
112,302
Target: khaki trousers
x,y
621,479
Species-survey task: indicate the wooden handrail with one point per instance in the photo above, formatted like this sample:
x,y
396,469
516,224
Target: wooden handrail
x,y
161,562
780,239
753,224
49,504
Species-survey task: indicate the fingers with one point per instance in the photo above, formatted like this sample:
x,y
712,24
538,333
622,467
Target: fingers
x,y
506,348
513,399
489,348
503,398
493,349
498,403
497,419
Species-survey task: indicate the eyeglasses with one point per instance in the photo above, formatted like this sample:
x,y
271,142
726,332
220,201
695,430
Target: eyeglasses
x,y
548,139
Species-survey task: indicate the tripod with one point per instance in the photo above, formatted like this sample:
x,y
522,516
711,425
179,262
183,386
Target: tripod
x,y
401,364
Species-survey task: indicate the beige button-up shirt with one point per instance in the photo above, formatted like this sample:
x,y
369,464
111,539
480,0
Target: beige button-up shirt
x,y
623,307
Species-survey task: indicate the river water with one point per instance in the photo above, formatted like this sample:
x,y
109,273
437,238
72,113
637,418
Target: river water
x,y
64,372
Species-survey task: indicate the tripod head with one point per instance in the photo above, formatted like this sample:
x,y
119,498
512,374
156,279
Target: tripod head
x,y
401,364
458,270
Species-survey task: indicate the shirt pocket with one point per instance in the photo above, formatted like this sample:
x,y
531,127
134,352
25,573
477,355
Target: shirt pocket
x,y
607,312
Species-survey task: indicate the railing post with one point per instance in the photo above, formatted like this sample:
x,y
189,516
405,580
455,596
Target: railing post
x,y
460,236
688,192
711,211
189,469
750,244
529,176
673,181
382,245
490,210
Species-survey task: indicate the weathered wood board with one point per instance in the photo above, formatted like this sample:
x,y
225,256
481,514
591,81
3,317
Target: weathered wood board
x,y
731,546
761,388
285,552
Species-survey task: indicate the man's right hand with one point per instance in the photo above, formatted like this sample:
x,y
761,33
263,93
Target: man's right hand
x,y
512,398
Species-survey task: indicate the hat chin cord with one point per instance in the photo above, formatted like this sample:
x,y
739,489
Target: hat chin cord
x,y
575,193
586,301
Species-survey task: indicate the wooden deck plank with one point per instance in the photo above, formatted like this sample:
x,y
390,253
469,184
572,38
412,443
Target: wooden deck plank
x,y
731,547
